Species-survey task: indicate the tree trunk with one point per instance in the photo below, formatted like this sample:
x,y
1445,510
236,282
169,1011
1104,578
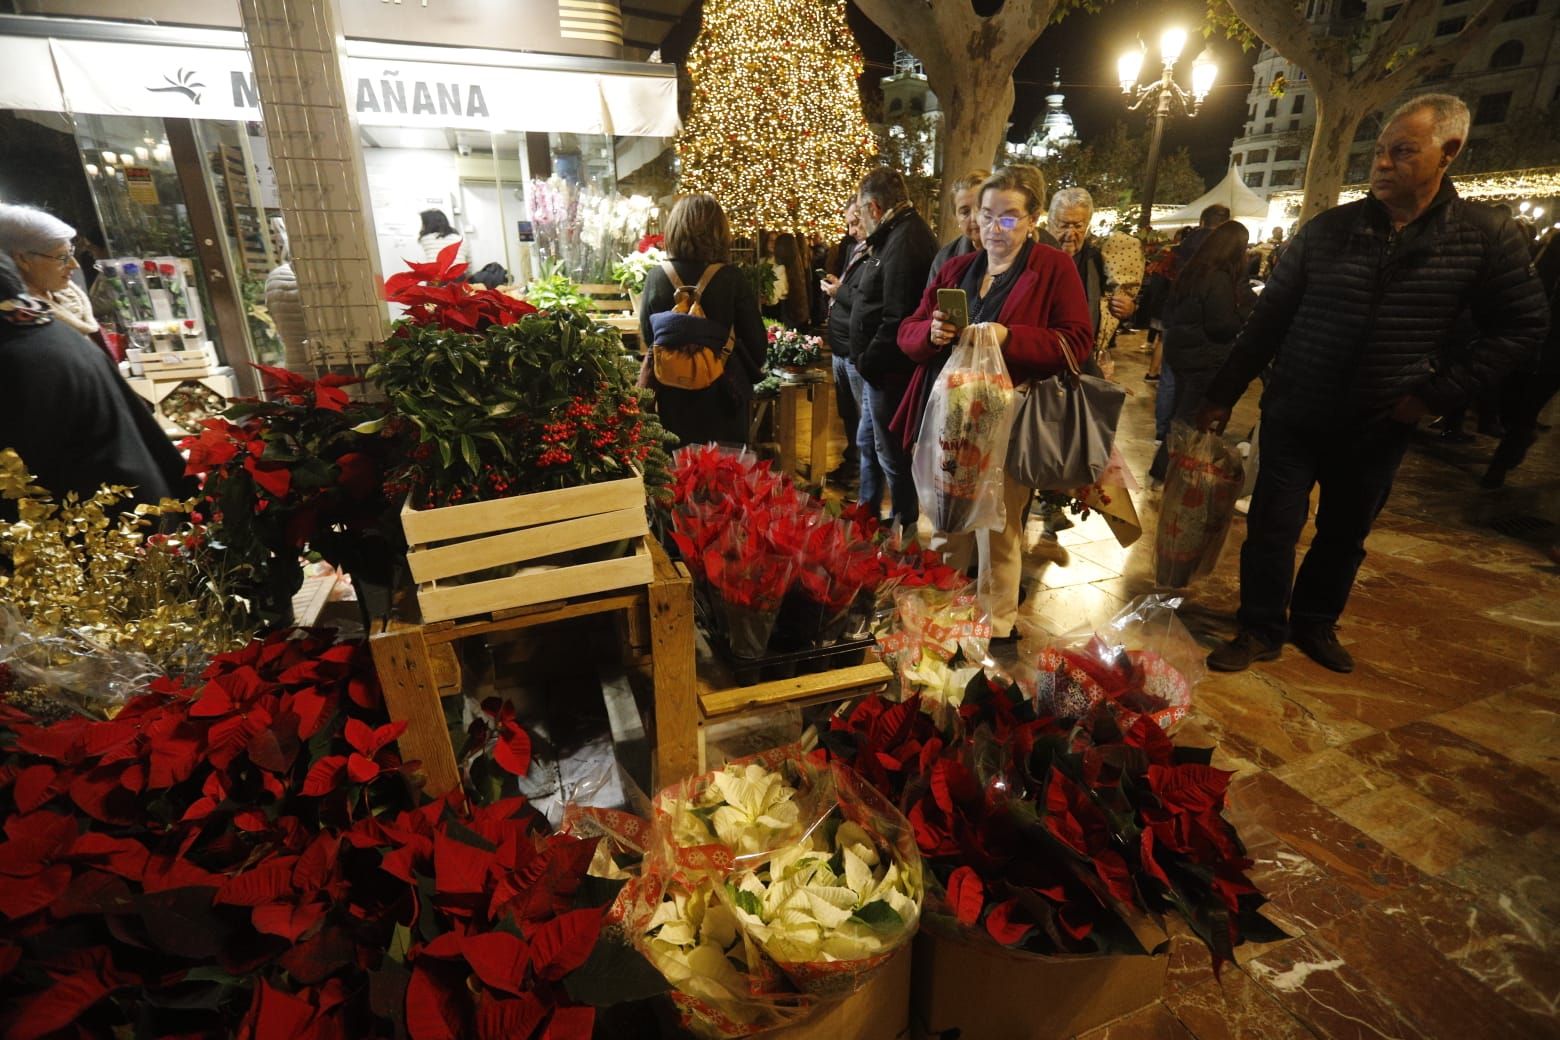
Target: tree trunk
x,y
1327,163
975,113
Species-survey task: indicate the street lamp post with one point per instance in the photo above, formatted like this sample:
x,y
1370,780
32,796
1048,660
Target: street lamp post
x,y
1165,92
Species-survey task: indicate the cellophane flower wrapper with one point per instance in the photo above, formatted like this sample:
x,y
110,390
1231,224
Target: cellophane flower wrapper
x,y
820,871
1141,661
961,452
936,641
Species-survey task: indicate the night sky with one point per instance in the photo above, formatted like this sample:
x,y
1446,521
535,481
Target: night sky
x,y
1086,46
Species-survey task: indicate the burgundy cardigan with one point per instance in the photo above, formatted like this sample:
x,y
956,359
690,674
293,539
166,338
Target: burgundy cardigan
x,y
1045,308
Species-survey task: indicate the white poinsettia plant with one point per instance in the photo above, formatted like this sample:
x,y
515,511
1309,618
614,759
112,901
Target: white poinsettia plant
x,y
747,808
631,270
694,941
829,898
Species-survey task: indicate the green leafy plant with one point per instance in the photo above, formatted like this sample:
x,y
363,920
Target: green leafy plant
x,y
556,291
761,277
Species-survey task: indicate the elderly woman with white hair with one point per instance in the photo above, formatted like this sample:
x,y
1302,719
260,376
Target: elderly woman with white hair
x,y
40,245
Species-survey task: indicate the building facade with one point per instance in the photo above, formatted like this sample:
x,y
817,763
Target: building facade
x,y
1509,75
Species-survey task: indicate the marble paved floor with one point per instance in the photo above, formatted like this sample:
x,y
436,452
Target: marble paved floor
x,y
1405,819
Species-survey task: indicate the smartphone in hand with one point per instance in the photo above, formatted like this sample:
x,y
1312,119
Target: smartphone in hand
x,y
955,304
819,274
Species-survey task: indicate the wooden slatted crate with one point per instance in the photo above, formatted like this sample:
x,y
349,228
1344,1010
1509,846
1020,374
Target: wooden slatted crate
x,y
454,542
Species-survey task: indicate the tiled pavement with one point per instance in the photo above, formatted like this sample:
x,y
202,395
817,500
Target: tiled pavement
x,y
1404,819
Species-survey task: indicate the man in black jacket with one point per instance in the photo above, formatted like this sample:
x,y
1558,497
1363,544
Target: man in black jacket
x,y
838,288
900,248
1358,316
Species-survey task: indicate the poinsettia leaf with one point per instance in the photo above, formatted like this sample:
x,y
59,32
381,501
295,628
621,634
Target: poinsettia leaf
x,y
498,959
278,1013
387,990
614,973
66,1000
570,1023
508,1019
265,883
361,769
879,915
316,959
1005,925
325,775
513,750
562,944
966,895
179,921
291,921
433,1005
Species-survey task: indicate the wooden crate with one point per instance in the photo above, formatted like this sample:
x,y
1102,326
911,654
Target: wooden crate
x,y
456,541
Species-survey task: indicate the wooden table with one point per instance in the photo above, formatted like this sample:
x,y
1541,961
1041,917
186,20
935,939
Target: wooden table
x,y
820,395
418,666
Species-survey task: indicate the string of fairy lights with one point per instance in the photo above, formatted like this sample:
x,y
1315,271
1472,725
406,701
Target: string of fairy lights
x,y
775,129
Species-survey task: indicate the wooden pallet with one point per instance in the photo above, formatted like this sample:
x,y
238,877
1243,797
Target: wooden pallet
x,y
451,544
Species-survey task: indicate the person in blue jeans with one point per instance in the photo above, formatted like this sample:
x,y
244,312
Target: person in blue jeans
x,y
900,247
1353,320
839,288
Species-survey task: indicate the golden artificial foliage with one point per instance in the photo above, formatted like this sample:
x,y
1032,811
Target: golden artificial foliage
x,y
775,130
86,579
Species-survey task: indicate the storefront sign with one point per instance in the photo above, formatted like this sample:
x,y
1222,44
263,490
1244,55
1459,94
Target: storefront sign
x,y
213,83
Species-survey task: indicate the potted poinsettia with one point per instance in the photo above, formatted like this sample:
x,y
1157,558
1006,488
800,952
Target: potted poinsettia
x,y
630,270
498,403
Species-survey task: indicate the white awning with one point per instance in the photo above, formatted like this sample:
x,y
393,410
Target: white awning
x,y
29,83
145,79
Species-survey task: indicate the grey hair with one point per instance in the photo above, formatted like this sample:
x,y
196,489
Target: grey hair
x,y
25,229
1066,198
1449,112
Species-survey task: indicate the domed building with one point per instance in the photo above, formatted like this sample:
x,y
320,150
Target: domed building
x,y
1053,129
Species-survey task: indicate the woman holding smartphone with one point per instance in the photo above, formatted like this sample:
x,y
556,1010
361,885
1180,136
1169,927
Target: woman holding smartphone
x,y
1032,297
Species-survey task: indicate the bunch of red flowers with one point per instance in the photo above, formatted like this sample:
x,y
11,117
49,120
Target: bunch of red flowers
x,y
437,294
1058,835
246,856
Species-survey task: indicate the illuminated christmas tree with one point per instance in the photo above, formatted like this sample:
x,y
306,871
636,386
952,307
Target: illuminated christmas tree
x,y
775,130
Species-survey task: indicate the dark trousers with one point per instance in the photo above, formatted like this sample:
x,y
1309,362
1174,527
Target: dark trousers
x,y
1522,396
701,416
1354,467
1186,395
846,390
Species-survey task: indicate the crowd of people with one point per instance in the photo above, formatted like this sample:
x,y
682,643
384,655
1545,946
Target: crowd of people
x,y
1411,302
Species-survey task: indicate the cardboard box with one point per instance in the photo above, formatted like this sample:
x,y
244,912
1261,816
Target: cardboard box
x,y
986,993
880,1010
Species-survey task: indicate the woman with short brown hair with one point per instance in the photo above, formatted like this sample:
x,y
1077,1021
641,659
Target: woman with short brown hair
x,y
697,237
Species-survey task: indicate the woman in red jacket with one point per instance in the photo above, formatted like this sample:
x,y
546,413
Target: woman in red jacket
x,y
1031,295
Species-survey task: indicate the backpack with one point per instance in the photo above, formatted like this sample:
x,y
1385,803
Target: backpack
x,y
690,366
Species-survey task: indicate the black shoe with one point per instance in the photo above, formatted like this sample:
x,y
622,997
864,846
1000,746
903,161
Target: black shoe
x,y
1493,478
1456,437
1320,643
1242,652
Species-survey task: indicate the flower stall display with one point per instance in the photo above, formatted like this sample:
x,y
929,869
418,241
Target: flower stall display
x,y
243,855
791,351
527,443
584,229
1057,836
776,571
958,460
767,886
1142,661
97,601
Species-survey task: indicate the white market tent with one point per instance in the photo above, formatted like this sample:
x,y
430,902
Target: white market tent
x,y
1245,205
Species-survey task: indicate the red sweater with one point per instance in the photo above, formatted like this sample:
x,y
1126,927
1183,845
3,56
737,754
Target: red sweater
x,y
1046,307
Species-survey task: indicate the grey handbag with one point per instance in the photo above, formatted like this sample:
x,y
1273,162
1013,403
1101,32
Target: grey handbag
x,y
1064,431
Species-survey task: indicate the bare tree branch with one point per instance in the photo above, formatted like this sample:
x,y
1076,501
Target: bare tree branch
x,y
1455,48
1412,15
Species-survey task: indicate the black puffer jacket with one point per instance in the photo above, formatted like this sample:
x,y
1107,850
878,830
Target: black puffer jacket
x,y
1359,316
1202,318
844,302
892,279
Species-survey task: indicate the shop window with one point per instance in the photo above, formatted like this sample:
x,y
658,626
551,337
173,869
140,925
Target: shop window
x,y
1451,26
1521,9
896,106
1298,106
1289,153
1259,155
1492,109
1255,178
1350,9
1507,55
1294,124
1272,108
1283,178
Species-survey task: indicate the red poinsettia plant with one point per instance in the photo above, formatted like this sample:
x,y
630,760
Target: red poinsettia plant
x,y
1058,836
300,472
437,294
245,856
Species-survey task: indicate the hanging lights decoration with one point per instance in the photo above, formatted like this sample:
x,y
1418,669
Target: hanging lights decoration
x,y
775,130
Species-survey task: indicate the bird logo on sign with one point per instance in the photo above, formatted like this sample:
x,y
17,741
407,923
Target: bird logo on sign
x,y
183,82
